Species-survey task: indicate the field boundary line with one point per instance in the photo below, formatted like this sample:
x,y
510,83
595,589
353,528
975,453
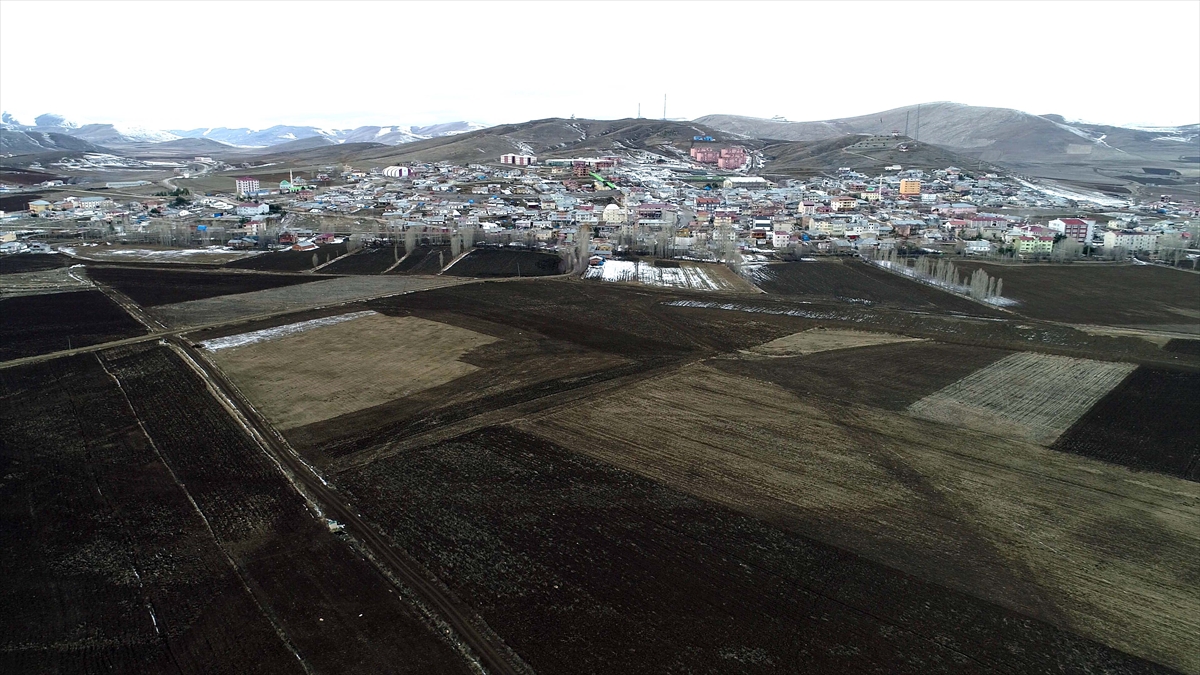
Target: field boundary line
x,y
237,569
503,415
466,631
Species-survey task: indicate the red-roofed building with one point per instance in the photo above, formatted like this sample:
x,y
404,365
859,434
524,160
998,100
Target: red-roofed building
x,y
1074,228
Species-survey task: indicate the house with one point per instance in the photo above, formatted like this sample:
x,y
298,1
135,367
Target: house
x,y
843,203
38,206
252,209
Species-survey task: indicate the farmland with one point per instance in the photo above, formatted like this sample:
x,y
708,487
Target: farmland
x,y
279,300
1030,396
858,283
168,564
40,324
600,477
1150,422
365,261
888,376
822,340
295,381
1110,295
31,262
53,280
626,574
695,276
424,259
492,262
1000,519
153,287
289,261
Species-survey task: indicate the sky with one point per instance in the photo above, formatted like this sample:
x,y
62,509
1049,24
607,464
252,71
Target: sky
x,y
180,65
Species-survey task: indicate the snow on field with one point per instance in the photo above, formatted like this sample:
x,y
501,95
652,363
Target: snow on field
x,y
1075,195
684,276
1028,395
279,331
151,254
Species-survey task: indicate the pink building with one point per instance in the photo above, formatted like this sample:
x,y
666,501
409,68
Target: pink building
x,y
705,154
731,158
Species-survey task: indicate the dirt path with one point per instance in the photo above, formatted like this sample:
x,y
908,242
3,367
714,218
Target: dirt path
x,y
495,656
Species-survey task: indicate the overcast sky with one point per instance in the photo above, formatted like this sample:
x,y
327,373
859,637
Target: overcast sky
x,y
176,65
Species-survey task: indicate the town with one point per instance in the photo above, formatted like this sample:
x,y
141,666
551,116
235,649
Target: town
x,y
702,207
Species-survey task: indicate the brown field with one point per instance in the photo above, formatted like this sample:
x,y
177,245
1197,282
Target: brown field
x,y
296,380
280,300
1082,544
47,281
824,340
1035,397
1109,295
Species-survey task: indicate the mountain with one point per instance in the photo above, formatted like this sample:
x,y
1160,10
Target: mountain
x,y
1045,146
52,120
446,129
807,158
552,137
385,135
250,138
112,135
20,142
276,135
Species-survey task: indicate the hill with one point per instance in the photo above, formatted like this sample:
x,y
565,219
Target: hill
x,y
20,142
800,158
551,138
1047,146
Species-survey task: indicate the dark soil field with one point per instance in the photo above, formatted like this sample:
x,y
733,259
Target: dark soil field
x,y
885,376
425,259
108,568
337,611
153,287
31,262
40,324
582,567
1110,295
289,261
497,262
1151,422
856,282
365,261
1178,346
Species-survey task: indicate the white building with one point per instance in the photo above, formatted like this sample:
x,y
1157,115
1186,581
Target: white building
x,y
396,172
979,247
518,160
252,209
245,185
614,214
748,182
1131,241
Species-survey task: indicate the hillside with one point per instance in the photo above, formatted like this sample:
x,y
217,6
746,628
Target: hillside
x,y
19,142
1046,146
549,138
807,158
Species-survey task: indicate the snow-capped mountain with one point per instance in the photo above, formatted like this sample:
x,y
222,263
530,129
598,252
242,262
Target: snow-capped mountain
x,y
388,135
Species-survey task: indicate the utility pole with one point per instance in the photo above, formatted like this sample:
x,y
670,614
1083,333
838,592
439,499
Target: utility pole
x,y
906,114
639,111
664,107
917,137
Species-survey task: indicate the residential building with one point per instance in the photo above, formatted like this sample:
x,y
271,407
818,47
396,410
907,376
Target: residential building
x,y
910,186
1078,229
245,185
1131,241
518,160
1033,245
38,206
843,203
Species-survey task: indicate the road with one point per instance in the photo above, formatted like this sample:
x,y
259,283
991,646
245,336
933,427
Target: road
x,y
487,647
